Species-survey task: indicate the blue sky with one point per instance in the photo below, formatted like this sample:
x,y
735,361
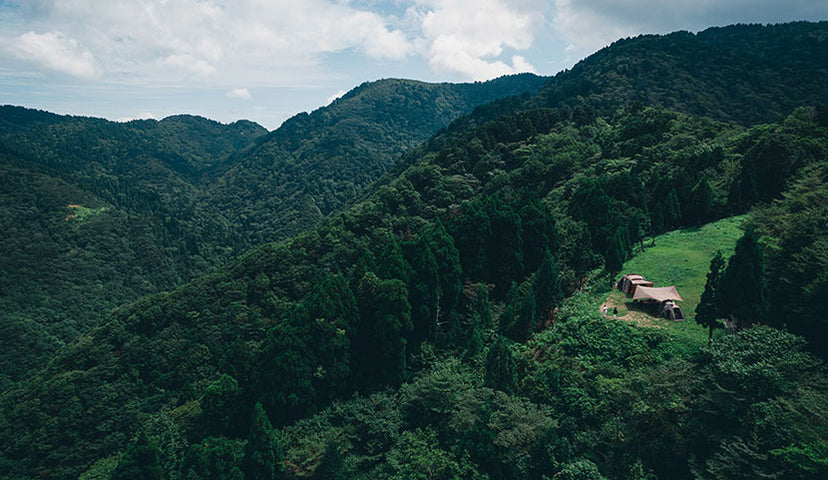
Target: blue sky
x,y
266,60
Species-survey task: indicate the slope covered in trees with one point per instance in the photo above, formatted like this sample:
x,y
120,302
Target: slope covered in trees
x,y
101,213
381,291
422,328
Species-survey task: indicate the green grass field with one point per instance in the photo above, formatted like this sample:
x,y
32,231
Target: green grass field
x,y
680,258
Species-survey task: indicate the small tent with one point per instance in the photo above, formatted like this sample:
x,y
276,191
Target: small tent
x,y
671,311
627,283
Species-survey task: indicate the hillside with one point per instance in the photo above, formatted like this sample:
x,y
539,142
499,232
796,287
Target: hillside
x,y
364,288
101,213
745,74
316,162
446,321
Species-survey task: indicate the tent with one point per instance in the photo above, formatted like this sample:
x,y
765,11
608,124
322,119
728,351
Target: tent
x,y
625,283
671,311
658,294
634,284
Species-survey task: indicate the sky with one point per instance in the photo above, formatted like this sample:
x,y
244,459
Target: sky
x,y
267,60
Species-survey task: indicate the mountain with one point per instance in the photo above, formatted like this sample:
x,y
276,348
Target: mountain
x,y
424,328
744,73
101,213
316,162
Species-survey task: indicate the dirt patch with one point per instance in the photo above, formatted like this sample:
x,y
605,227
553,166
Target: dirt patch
x,y
628,311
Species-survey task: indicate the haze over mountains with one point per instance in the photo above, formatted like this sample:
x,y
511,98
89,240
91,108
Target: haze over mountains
x,y
525,184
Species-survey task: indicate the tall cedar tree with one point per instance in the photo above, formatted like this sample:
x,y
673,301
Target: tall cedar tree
x,y
424,291
702,196
616,254
379,349
508,317
288,365
547,287
501,366
504,249
744,292
262,453
139,462
331,467
709,311
448,268
481,305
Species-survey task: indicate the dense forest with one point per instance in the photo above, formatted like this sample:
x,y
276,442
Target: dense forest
x,y
101,213
444,323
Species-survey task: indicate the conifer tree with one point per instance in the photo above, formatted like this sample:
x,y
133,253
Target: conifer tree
x,y
744,291
616,254
139,462
709,311
481,305
424,292
331,467
501,366
506,320
448,268
547,287
262,453
702,201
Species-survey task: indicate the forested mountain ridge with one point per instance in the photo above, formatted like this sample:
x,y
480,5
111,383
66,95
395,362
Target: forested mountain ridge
x,y
429,317
316,162
101,213
394,290
745,74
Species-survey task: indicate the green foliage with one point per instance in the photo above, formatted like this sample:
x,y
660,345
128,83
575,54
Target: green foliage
x,y
743,288
501,367
709,309
262,452
215,458
139,461
547,288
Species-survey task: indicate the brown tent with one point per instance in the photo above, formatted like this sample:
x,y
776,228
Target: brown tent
x,y
659,294
634,284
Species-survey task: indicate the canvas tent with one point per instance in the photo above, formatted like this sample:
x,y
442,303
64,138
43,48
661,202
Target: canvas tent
x,y
671,311
630,281
658,294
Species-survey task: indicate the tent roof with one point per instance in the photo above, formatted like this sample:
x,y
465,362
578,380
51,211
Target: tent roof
x,y
641,281
633,276
657,293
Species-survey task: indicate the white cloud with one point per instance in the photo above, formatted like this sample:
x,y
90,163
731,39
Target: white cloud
x,y
140,116
241,93
336,95
468,37
57,52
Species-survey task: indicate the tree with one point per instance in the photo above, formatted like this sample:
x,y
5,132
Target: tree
x,y
424,291
262,453
708,311
215,458
616,254
221,407
702,201
331,466
481,305
547,288
744,292
139,462
501,366
379,349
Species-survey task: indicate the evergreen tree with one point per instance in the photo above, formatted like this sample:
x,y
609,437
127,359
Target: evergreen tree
x,y
702,202
331,467
524,318
215,458
139,462
508,317
708,311
481,305
379,349
449,270
744,291
616,254
672,209
504,249
262,453
391,263
221,407
547,288
501,366
424,292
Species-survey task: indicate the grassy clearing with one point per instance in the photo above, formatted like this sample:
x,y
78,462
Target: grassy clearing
x,y
680,258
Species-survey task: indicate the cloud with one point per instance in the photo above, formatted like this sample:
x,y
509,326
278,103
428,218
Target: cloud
x,y
57,52
468,37
336,95
241,93
589,25
140,116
